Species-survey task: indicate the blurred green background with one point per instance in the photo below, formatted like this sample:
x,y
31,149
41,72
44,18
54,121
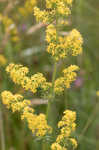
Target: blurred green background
x,y
30,51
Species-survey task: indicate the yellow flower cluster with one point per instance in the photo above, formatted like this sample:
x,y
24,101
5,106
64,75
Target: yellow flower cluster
x,y
62,7
56,146
55,3
3,60
65,81
9,27
51,34
36,123
43,15
67,125
59,8
28,7
14,102
59,46
18,74
74,42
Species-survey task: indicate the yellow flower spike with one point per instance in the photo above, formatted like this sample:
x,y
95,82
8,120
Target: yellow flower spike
x,y
73,142
57,7
65,125
64,82
59,85
60,47
14,102
7,98
41,15
36,123
68,120
62,7
70,69
74,42
18,74
56,146
50,33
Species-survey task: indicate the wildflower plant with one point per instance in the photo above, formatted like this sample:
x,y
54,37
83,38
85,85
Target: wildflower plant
x,y
59,47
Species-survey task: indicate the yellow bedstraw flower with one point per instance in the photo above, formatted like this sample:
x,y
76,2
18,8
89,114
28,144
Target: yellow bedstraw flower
x,y
56,146
36,123
64,82
59,46
44,16
74,42
51,33
51,3
67,125
15,102
73,142
18,74
60,8
3,60
70,75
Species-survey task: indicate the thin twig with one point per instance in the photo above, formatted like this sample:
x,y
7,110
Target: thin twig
x,y
35,28
39,102
38,26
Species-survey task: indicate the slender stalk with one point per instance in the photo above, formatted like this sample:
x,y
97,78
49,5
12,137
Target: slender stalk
x,y
2,130
52,111
53,79
50,107
66,99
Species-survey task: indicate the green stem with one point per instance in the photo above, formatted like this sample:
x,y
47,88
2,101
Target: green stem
x,y
66,99
53,79
52,111
50,107
2,130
